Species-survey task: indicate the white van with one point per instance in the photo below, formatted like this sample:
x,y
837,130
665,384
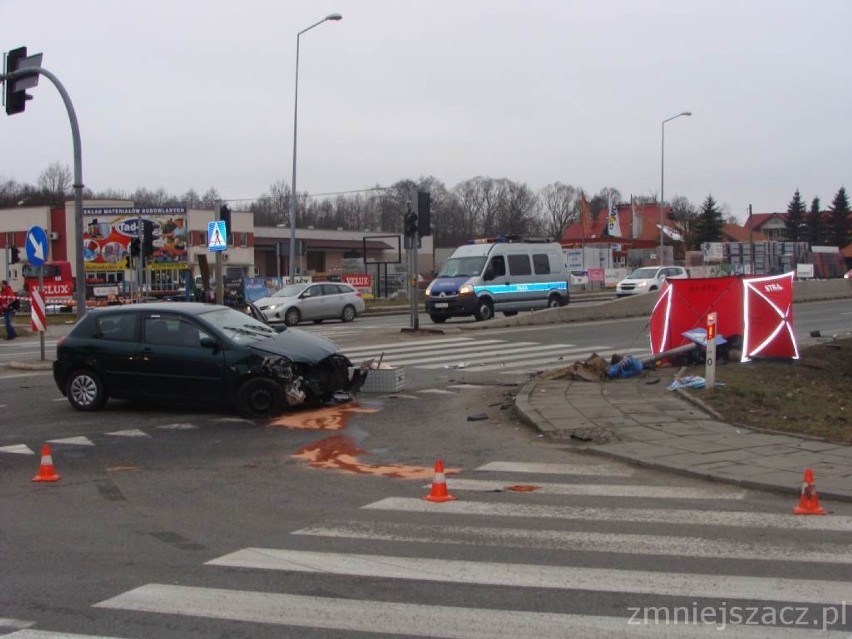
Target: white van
x,y
503,275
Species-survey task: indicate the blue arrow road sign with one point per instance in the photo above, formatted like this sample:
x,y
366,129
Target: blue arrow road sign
x,y
37,246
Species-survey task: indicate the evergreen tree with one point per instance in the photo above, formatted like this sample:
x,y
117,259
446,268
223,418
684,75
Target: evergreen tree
x,y
708,224
839,227
815,225
795,220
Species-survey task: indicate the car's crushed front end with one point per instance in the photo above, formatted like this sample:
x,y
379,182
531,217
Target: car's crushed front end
x,y
310,368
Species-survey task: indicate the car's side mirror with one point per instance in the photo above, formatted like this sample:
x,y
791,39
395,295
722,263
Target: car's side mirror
x,y
209,342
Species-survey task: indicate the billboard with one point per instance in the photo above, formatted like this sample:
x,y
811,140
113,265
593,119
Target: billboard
x,y
107,233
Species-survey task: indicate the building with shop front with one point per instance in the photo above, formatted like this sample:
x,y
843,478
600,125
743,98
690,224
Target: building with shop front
x,y
173,241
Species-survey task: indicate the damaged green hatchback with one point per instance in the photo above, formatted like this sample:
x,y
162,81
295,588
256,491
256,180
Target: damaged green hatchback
x,y
198,354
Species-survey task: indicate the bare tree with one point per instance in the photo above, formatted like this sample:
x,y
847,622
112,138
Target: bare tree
x,y
559,208
55,182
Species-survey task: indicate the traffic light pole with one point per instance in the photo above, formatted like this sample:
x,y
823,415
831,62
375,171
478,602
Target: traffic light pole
x,y
220,290
79,264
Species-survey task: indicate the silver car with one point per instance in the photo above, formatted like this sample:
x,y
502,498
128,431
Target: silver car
x,y
315,301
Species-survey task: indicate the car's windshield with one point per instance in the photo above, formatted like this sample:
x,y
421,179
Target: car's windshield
x,y
643,274
463,266
291,290
238,326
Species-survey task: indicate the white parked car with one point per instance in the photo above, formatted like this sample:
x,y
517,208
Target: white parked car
x,y
648,279
316,301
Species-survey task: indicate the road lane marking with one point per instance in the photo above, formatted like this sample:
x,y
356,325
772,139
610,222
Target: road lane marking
x,y
600,490
419,620
514,575
584,541
557,469
726,518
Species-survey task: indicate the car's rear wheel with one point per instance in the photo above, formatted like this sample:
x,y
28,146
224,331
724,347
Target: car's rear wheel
x,y
260,397
483,310
438,319
348,313
292,317
554,301
86,391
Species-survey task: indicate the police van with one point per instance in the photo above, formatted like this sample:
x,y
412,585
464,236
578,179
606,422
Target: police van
x,y
506,275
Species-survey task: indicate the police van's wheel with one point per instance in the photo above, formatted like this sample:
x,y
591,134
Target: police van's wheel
x,y
554,301
438,319
483,310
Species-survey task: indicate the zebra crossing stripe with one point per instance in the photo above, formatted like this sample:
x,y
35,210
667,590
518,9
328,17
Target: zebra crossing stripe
x,y
374,349
727,518
557,469
583,541
601,490
513,575
488,352
446,622
505,356
549,364
45,634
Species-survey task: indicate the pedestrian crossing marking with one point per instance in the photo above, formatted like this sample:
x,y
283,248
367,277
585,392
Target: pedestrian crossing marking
x,y
398,619
377,349
75,441
437,391
480,358
17,449
516,575
583,541
601,490
557,469
644,515
131,432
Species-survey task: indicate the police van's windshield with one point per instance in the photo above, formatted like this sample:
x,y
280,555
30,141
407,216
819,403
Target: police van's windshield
x,y
463,266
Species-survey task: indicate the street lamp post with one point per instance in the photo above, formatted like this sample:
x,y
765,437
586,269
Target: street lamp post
x,y
663,177
293,202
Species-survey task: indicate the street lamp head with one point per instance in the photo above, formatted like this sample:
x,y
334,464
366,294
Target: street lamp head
x,y
334,16
687,113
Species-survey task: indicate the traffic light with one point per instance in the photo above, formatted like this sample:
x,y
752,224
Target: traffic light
x,y
424,213
411,224
225,216
16,101
16,255
134,247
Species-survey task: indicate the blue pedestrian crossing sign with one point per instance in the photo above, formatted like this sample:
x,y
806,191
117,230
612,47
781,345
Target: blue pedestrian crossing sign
x,y
37,246
217,238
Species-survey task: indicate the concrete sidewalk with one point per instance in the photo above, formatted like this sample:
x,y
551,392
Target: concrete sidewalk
x,y
639,420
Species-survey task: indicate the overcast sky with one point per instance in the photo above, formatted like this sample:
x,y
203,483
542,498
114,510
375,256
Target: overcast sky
x,y
184,94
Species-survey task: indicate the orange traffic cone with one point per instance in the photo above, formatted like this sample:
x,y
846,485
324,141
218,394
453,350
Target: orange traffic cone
x,y
809,501
46,471
439,485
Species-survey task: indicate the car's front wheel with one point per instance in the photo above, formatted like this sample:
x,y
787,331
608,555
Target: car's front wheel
x,y
86,391
260,397
348,313
483,311
292,317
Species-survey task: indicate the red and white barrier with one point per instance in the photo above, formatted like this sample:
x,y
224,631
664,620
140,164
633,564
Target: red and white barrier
x,y
37,313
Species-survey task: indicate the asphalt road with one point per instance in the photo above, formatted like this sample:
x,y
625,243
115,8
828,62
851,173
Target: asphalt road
x,y
151,530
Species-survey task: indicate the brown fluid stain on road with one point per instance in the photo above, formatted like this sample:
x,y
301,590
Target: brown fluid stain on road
x,y
338,452
326,418
522,488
